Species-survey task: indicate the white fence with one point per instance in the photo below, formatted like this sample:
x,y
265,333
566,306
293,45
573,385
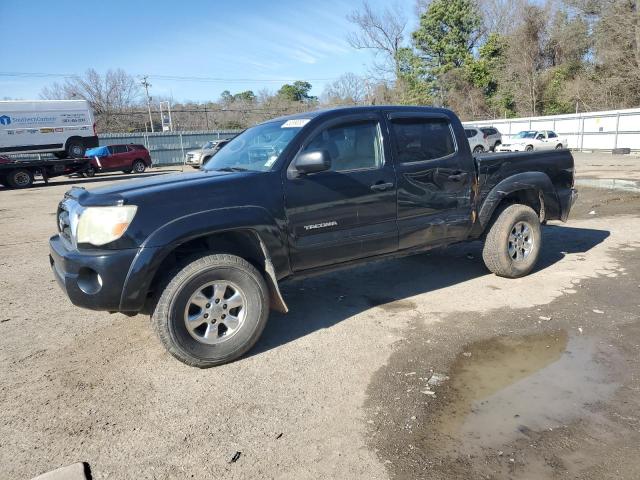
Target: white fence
x,y
584,131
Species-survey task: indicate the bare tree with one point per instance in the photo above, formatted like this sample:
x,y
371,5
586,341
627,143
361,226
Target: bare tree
x,y
111,95
348,89
525,59
382,32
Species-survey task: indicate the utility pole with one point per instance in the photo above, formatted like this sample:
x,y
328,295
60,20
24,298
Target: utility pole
x,y
146,85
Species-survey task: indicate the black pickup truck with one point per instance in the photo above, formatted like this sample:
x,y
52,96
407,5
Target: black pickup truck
x,y
204,252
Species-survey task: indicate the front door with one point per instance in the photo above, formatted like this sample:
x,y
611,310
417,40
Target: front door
x,y
435,174
348,211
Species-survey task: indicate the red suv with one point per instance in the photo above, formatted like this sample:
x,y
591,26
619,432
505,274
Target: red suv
x,y
127,158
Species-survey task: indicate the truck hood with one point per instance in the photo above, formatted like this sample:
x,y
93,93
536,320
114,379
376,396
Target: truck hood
x,y
158,186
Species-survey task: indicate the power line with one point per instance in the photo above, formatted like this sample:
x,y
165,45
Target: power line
x,y
177,78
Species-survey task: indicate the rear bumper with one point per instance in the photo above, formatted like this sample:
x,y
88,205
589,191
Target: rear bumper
x,y
92,280
567,198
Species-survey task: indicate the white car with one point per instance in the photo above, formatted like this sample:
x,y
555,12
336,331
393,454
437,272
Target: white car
x,y
478,141
530,140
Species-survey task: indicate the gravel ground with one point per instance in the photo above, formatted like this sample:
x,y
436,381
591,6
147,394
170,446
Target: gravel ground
x,y
329,392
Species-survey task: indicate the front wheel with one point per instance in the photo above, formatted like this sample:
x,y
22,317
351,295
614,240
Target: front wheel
x,y
513,242
529,148
478,149
212,310
559,146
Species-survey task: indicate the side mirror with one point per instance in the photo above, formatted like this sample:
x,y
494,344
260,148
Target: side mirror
x,y
313,161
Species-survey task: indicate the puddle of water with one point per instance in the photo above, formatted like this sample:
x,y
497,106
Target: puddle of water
x,y
609,184
503,388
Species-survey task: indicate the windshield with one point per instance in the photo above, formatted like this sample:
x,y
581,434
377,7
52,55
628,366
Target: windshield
x,y
257,148
526,134
209,145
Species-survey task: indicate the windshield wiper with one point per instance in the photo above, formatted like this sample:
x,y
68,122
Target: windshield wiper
x,y
232,169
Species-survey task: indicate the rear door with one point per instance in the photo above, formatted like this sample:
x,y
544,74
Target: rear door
x,y
349,211
119,158
435,174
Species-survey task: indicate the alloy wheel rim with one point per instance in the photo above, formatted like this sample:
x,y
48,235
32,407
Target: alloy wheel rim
x,y
520,243
215,312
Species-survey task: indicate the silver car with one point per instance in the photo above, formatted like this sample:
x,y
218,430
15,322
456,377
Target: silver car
x,y
197,158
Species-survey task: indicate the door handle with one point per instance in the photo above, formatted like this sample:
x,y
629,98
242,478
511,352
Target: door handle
x,y
381,187
458,177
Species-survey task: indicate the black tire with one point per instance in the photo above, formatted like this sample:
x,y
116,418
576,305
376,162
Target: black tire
x,y
138,166
168,314
90,172
558,146
497,144
478,149
126,171
529,148
3,181
75,148
19,178
497,246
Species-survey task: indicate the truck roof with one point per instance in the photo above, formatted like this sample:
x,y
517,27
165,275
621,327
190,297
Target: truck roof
x,y
360,109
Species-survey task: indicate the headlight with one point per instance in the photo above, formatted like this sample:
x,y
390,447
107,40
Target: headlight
x,y
101,225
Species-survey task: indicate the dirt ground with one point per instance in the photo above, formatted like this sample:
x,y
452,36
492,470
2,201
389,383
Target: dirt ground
x,y
423,367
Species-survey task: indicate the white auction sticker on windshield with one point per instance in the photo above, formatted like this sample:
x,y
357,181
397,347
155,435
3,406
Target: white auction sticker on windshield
x,y
297,123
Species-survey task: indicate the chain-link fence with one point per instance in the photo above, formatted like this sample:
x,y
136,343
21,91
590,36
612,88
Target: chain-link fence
x,y
167,148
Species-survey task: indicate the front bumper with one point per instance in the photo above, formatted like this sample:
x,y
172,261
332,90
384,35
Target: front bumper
x,y
510,148
93,280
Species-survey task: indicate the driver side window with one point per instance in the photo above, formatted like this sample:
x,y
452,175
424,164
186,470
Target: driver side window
x,y
351,146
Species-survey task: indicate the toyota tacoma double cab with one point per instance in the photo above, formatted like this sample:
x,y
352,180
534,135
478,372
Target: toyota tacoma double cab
x,y
204,253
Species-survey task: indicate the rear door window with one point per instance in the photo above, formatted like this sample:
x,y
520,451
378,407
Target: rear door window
x,y
115,149
420,139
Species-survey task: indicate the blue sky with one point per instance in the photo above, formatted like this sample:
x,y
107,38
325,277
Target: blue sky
x,y
254,40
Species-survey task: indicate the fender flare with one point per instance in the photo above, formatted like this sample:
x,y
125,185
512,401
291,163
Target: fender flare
x,y
157,247
537,181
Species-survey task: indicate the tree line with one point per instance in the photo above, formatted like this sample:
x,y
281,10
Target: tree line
x,y
481,58
506,58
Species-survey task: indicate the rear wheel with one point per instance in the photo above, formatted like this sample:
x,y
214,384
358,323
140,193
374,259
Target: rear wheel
x,y
497,144
138,166
529,148
75,148
478,149
211,310
513,242
558,146
19,178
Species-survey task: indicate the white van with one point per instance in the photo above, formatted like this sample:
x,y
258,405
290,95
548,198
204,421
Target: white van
x,y
64,127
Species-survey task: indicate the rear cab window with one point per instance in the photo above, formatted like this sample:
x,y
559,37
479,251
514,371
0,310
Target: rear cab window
x,y
420,139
